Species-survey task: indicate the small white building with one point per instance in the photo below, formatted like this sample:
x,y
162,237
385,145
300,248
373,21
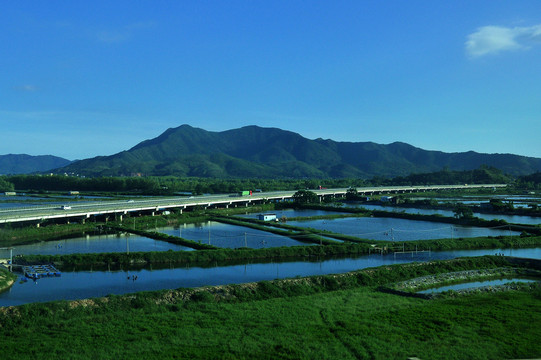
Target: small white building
x,y
267,217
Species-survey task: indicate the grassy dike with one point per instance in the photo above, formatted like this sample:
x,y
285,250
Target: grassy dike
x,y
6,279
14,235
32,234
219,257
340,316
435,244
207,255
296,233
167,238
197,258
474,221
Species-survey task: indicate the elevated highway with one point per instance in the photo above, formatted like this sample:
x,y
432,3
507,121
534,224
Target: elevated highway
x,y
80,212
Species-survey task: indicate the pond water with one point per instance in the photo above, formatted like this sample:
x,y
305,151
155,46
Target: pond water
x,y
88,284
391,229
514,219
482,198
96,244
229,236
473,285
291,213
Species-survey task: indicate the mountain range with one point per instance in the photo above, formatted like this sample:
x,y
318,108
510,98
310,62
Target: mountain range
x,y
13,164
257,152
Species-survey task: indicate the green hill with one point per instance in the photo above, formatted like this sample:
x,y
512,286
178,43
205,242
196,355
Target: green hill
x,y
254,151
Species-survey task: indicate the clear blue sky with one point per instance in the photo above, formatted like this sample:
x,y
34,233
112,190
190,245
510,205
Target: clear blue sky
x,y
85,78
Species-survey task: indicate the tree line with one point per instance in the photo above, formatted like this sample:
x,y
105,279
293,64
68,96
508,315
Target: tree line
x,y
170,184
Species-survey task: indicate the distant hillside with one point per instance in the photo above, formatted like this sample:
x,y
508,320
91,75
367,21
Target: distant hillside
x,y
25,164
253,151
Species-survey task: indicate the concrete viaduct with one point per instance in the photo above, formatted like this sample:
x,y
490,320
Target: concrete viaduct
x,y
117,209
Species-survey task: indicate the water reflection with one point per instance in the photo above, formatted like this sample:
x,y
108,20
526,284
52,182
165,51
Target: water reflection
x,y
515,219
393,229
229,236
87,284
291,213
96,244
473,285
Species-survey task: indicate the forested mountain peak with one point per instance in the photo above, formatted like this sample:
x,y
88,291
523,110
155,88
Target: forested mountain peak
x,y
254,151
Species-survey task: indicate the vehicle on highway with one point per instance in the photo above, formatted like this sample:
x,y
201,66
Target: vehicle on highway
x,y
65,207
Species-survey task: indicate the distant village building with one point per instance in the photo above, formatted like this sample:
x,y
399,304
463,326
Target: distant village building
x,y
267,217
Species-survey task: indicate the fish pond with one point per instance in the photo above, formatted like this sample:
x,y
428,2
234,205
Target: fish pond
x,y
229,236
121,242
88,284
474,285
394,229
514,219
291,213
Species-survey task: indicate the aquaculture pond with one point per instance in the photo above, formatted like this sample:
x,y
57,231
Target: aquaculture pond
x,y
229,236
394,229
474,285
96,244
513,219
88,284
518,200
291,213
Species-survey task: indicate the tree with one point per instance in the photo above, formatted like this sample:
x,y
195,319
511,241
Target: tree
x,y
352,194
498,205
6,185
305,197
463,212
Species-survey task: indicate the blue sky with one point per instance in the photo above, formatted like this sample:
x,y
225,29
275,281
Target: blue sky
x,y
86,78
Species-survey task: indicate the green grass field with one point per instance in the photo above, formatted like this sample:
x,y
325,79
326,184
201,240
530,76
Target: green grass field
x,y
287,319
350,324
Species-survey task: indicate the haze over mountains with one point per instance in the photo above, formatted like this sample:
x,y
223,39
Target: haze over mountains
x,y
25,164
254,151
